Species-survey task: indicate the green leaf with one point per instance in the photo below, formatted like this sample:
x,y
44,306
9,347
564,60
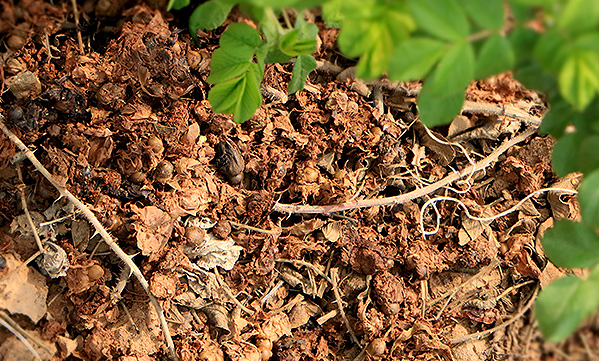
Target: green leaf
x,y
551,51
208,16
579,78
588,154
332,13
224,67
177,4
414,58
304,64
571,244
442,18
495,56
240,96
442,94
557,118
372,36
565,303
588,197
240,40
487,14
578,16
277,56
564,157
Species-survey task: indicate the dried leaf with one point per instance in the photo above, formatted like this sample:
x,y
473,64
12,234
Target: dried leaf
x,y
215,252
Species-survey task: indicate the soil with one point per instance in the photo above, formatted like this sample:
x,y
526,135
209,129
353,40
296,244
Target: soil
x,y
116,109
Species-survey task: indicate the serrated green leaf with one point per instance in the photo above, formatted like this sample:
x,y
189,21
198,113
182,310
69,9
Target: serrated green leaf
x,y
304,64
291,44
208,16
579,78
277,56
496,56
442,18
224,66
487,14
564,157
565,303
414,58
442,94
177,4
551,51
587,41
588,198
571,244
372,35
332,13
578,16
240,40
240,96
455,70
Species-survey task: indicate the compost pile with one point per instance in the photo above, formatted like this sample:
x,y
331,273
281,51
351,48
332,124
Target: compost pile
x,y
214,213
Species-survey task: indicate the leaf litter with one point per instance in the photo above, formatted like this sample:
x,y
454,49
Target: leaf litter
x,y
189,194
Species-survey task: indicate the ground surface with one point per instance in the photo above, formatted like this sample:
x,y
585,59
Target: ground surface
x,y
121,119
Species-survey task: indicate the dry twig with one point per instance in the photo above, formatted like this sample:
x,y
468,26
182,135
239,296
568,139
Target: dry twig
x,y
21,337
99,229
402,198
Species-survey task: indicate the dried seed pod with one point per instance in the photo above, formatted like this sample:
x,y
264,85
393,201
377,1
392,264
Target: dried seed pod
x,y
311,174
155,144
54,261
229,160
15,42
2,262
138,177
164,171
194,236
95,272
377,347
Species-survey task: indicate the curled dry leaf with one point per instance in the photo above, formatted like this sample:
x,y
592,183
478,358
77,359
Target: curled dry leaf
x,y
229,160
54,261
153,228
214,252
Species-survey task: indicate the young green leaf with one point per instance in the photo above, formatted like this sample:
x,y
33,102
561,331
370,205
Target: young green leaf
x,y
442,94
571,244
372,36
177,4
558,118
414,58
304,64
332,13
442,18
209,15
588,197
240,96
487,14
224,66
578,16
495,56
579,78
292,45
240,40
277,56
565,303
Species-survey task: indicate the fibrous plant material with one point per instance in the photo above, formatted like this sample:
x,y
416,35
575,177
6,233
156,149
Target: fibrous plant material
x,y
99,229
402,198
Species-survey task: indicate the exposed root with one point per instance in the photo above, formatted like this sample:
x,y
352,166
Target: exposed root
x,y
38,241
9,326
402,198
335,279
99,229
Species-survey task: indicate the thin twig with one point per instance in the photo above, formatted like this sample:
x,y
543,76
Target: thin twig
x,y
501,110
17,327
273,232
334,279
227,290
402,198
76,13
99,229
481,334
38,241
22,338
309,265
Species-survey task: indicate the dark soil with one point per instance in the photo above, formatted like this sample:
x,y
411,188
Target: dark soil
x,y
121,118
